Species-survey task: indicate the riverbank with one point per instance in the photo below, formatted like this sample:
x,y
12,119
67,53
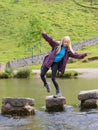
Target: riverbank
x,y
87,72
84,72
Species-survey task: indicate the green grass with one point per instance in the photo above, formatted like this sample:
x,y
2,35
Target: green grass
x,y
21,22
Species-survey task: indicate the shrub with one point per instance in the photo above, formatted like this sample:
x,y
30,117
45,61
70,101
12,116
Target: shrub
x,y
76,74
9,72
23,73
67,74
70,74
4,75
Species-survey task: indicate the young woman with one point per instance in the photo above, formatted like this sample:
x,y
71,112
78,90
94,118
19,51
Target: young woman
x,y
57,59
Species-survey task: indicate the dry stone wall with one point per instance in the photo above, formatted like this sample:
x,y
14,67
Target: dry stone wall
x,y
36,59
89,42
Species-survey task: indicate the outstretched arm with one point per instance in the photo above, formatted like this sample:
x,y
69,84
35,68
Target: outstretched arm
x,y
49,39
78,56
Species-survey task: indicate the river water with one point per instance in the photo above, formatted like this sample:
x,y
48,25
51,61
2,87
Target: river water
x,y
71,119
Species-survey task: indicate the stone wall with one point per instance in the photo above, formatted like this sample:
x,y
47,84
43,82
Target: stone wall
x,y
89,42
36,59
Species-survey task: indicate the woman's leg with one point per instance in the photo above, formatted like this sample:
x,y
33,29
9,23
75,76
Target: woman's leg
x,y
44,69
54,72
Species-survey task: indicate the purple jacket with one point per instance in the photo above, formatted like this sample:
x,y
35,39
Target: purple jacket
x,y
50,58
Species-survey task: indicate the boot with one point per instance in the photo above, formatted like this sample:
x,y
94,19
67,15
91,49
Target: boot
x,y
47,86
58,94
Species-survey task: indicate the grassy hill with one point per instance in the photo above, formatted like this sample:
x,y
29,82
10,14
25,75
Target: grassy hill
x,y
21,22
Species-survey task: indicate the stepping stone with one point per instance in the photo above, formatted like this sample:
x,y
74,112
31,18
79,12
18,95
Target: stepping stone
x,y
17,106
89,103
84,95
55,104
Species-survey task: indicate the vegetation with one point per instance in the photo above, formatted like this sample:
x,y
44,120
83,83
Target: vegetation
x,y
4,75
23,73
27,73
21,22
68,74
9,72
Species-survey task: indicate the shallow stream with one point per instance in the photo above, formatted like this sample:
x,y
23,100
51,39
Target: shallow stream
x,y
71,119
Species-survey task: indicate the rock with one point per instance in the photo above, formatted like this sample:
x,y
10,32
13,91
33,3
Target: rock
x,y
55,104
18,102
84,95
89,103
18,106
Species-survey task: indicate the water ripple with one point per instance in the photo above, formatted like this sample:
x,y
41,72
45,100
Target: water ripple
x,y
67,120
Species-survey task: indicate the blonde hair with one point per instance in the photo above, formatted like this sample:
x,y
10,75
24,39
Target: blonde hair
x,y
65,39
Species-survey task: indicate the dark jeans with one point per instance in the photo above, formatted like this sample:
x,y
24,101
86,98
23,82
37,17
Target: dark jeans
x,y
54,68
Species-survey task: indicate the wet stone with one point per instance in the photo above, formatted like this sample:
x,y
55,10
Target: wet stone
x,y
18,106
89,103
84,95
55,104
89,99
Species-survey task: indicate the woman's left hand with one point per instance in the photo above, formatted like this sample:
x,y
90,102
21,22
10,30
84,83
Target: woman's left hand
x,y
88,53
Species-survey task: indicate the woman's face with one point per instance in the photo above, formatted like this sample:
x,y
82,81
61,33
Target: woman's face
x,y
65,43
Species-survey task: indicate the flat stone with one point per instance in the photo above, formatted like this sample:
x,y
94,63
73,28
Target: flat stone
x,y
89,103
55,104
18,106
84,95
18,102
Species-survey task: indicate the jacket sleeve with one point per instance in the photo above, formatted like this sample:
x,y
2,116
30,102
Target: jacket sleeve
x,y
49,39
76,55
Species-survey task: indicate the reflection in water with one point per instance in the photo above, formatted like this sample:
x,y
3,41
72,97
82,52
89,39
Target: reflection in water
x,y
71,119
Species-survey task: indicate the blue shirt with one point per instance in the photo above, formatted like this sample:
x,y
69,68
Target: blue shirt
x,y
59,56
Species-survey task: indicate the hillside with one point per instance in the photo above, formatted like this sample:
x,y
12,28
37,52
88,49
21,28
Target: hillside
x,y
21,22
